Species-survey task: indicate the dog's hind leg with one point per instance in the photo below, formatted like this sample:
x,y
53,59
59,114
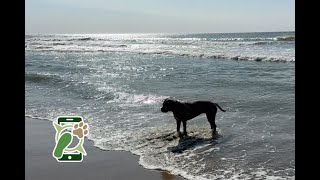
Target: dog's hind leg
x,y
184,128
211,116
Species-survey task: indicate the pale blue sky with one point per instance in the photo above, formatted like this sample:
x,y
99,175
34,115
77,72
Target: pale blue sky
x,y
156,16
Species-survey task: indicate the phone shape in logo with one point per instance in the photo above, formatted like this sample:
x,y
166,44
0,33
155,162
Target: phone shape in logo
x,y
66,125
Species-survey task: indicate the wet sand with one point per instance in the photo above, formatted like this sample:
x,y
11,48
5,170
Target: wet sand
x,y
98,164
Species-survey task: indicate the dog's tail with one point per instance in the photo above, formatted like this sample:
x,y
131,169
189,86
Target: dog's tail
x,y
220,107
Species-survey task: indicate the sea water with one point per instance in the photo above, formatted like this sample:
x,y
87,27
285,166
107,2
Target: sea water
x,y
117,83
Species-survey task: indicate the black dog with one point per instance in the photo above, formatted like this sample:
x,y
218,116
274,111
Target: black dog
x,y
186,111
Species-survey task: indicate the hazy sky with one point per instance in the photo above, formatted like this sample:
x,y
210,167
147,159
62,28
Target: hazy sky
x,y
154,16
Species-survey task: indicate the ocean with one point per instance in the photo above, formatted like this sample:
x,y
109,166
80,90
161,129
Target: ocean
x,y
117,83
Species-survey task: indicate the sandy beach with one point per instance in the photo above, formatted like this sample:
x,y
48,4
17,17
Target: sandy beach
x,y
98,164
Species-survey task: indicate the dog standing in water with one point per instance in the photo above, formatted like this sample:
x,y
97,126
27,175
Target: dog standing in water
x,y
183,112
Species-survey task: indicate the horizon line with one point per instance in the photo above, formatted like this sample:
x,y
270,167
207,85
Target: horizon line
x,y
163,32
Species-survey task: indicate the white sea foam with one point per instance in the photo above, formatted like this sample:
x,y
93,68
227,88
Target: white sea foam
x,y
137,99
156,148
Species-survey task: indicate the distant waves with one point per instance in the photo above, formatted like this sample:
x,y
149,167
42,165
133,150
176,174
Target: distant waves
x,y
275,47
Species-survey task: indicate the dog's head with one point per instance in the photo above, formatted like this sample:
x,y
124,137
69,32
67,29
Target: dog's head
x,y
168,105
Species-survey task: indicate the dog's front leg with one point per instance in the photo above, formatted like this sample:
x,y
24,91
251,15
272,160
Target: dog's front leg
x,y
178,128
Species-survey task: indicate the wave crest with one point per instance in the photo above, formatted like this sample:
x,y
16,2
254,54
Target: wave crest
x,y
285,38
81,90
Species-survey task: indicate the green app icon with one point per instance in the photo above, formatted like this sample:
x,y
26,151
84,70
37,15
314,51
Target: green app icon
x,y
67,129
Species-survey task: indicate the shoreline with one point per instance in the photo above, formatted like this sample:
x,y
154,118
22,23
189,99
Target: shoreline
x,y
98,164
